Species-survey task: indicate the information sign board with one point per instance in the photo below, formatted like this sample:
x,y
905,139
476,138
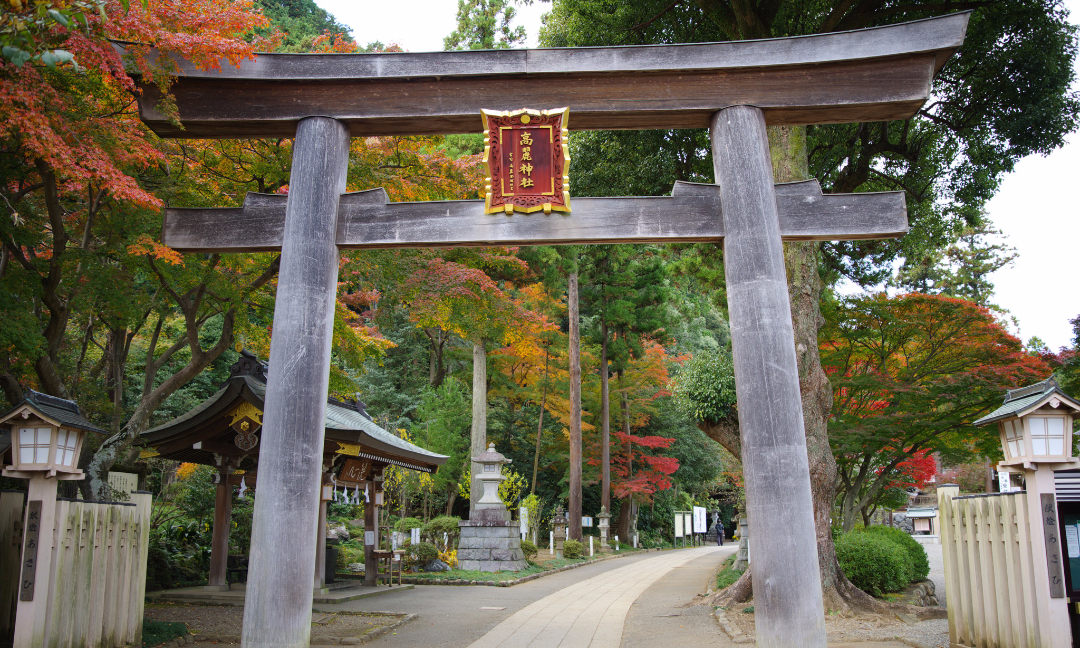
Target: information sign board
x,y
700,525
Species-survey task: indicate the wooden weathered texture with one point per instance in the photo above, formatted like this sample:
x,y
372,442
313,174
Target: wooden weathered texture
x,y
219,542
478,431
574,514
787,585
31,616
1053,612
866,75
990,577
320,535
11,526
371,525
692,213
94,595
282,558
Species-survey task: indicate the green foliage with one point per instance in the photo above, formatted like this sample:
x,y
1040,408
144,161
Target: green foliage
x,y
404,525
874,563
155,633
484,24
420,554
727,577
529,549
705,388
572,549
443,425
447,524
337,510
920,564
302,21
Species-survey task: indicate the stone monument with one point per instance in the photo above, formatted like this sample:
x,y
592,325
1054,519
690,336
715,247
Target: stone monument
x,y
489,540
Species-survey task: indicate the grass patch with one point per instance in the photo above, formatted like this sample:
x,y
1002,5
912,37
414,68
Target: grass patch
x,y
472,575
155,633
727,578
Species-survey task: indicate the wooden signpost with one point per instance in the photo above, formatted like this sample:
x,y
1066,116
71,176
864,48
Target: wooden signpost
x,y
736,89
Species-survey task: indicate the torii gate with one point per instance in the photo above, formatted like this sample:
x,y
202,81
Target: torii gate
x,y
734,88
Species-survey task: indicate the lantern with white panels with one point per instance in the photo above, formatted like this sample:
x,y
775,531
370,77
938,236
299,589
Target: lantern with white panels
x,y
1035,424
43,435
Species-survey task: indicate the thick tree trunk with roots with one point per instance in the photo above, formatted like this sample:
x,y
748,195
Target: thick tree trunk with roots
x,y
790,163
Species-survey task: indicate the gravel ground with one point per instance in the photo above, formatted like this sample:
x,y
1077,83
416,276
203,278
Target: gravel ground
x,y
225,620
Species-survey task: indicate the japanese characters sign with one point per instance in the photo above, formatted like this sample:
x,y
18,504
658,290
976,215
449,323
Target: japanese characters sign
x,y
1053,545
30,550
528,159
355,470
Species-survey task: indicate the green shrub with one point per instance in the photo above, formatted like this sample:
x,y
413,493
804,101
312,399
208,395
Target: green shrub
x,y
571,549
529,549
419,555
873,563
155,633
920,564
349,553
447,524
404,525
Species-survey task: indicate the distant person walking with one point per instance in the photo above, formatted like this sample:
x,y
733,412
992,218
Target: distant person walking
x,y
719,533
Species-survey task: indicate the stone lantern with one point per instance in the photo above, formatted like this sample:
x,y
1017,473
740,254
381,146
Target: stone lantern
x,y
559,522
1035,427
605,525
490,476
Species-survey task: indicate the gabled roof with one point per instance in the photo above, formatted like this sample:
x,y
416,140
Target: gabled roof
x,y
56,410
347,424
1024,400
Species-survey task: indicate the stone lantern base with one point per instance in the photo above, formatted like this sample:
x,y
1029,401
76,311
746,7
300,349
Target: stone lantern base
x,y
490,542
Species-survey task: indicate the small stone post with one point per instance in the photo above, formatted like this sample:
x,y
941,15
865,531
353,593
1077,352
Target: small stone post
x,y
605,524
560,531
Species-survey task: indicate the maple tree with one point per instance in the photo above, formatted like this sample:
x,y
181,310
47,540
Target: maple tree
x,y
910,374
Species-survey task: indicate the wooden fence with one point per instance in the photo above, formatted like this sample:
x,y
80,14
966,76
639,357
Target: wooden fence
x,y
94,598
989,572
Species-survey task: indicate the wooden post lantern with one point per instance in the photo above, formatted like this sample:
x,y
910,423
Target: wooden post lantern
x,y
46,437
1035,424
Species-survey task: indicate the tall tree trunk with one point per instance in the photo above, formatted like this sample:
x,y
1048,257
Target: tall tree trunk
x,y
605,423
540,425
479,419
575,405
790,163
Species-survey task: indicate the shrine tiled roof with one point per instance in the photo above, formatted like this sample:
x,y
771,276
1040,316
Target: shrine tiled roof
x,y
346,423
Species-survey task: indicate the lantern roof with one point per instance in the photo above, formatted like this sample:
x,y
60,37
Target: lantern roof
x,y
1023,401
58,411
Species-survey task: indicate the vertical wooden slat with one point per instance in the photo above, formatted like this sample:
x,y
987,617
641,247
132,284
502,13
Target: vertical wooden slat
x,y
11,526
1027,571
112,580
999,596
138,586
963,563
278,607
947,532
98,578
787,583
1011,559
124,558
987,571
977,620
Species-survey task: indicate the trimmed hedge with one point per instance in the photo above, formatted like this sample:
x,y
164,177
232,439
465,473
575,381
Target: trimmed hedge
x,y
920,564
572,549
529,549
873,562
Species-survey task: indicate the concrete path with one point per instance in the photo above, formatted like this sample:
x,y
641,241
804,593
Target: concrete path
x,y
590,613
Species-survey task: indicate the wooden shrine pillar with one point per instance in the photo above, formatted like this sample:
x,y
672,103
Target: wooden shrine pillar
x,y
786,581
219,543
277,612
371,533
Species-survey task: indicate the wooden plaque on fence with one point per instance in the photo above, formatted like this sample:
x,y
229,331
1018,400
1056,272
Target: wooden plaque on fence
x,y
527,158
30,550
1049,516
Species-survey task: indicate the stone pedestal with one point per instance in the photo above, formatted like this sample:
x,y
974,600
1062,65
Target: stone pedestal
x,y
490,542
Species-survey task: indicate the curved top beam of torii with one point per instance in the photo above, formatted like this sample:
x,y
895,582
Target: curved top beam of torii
x,y
875,74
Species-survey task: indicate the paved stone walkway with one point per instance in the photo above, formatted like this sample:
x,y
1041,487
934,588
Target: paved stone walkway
x,y
587,614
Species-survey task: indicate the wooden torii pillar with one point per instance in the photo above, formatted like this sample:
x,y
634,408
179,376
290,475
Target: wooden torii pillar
x,y
733,88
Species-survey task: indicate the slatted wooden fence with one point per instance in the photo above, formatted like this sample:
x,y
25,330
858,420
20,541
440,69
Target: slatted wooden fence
x,y
98,579
989,571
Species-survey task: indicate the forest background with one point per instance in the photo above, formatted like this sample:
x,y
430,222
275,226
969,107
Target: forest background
x,y
96,310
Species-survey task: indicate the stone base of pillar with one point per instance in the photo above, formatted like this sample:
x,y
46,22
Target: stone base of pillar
x,y
490,543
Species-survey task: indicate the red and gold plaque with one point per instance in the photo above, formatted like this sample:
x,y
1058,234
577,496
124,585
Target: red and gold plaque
x,y
528,159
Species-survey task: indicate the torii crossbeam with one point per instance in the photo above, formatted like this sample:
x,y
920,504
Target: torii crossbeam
x,y
733,88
